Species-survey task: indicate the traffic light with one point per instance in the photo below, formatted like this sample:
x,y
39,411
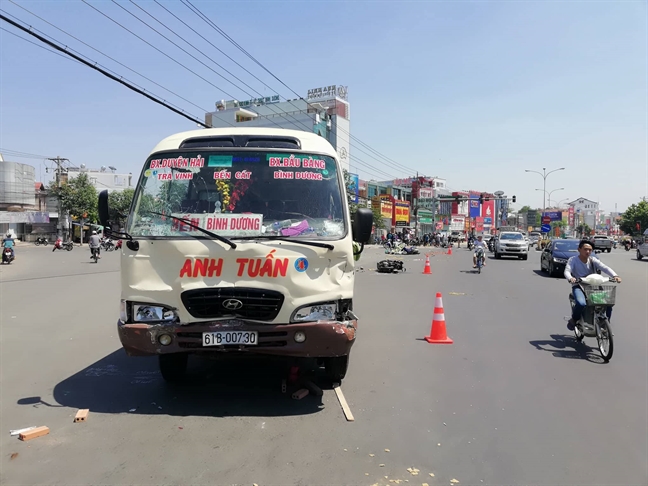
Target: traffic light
x,y
481,199
513,199
457,198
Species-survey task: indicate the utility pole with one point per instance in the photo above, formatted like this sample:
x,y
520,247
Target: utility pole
x,y
58,160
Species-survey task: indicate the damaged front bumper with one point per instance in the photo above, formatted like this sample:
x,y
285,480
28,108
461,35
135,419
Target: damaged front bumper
x,y
324,339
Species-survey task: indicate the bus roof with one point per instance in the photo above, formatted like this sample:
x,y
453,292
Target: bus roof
x,y
310,142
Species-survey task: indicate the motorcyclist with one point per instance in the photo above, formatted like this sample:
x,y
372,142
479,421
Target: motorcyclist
x,y
580,266
8,242
95,244
479,244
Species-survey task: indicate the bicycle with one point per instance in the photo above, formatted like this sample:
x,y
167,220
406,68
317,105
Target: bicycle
x,y
480,259
594,321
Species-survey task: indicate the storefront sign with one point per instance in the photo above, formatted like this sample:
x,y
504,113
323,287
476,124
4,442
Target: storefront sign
x,y
401,213
328,92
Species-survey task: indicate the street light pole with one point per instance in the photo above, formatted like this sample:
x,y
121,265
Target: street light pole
x,y
544,175
551,192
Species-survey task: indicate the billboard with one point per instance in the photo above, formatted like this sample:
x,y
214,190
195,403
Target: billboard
x,y
401,213
355,186
474,207
488,210
479,224
571,216
554,215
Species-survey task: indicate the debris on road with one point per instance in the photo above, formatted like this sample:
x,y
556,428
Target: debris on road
x,y
454,481
313,388
133,410
299,394
457,293
81,415
20,431
387,450
34,433
13,456
381,465
343,403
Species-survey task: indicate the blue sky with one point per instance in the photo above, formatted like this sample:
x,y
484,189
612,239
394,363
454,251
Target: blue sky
x,y
474,92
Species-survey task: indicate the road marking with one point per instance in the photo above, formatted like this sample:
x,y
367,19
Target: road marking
x,y
344,404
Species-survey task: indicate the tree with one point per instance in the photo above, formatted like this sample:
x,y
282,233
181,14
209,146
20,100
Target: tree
x,y
637,213
524,209
119,203
79,197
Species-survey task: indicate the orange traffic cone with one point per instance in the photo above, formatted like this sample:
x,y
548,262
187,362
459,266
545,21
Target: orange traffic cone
x,y
427,270
449,250
438,332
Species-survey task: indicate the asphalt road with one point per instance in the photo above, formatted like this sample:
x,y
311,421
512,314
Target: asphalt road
x,y
515,400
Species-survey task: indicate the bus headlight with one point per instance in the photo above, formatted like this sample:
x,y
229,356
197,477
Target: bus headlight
x,y
310,313
152,313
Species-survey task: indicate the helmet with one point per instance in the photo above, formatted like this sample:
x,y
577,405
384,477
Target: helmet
x,y
94,232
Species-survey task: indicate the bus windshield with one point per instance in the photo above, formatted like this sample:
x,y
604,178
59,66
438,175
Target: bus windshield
x,y
239,194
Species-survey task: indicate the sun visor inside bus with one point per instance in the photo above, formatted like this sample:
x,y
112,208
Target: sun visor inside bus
x,y
242,141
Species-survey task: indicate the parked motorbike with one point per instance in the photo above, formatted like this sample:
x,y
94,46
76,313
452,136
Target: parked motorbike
x,y
41,241
61,245
7,256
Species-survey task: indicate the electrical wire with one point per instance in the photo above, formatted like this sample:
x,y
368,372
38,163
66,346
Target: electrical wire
x,y
39,46
209,22
95,66
103,54
194,57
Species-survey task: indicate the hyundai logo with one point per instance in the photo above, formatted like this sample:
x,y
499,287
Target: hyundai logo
x,y
232,304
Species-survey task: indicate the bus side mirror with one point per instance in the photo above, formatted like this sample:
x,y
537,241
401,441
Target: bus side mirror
x,y
362,224
103,208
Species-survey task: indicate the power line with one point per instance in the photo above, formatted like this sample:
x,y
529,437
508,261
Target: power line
x,y
96,67
16,153
37,45
103,54
194,57
160,51
209,22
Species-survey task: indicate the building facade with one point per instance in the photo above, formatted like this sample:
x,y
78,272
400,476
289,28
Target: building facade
x,y
325,111
585,212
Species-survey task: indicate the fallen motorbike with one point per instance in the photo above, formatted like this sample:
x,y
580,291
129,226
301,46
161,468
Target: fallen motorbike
x,y
108,245
41,241
390,266
399,248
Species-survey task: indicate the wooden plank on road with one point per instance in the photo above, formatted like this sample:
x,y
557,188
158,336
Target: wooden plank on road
x,y
344,404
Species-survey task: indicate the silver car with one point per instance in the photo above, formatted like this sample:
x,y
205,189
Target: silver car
x,y
512,243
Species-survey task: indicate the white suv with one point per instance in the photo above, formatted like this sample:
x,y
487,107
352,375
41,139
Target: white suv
x,y
512,243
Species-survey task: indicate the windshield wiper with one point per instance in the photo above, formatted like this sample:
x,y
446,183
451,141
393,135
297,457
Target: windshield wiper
x,y
289,240
190,224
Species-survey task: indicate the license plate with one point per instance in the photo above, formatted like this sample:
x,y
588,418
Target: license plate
x,y
222,338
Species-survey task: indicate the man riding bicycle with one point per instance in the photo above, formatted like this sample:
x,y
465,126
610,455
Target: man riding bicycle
x,y
580,266
479,244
